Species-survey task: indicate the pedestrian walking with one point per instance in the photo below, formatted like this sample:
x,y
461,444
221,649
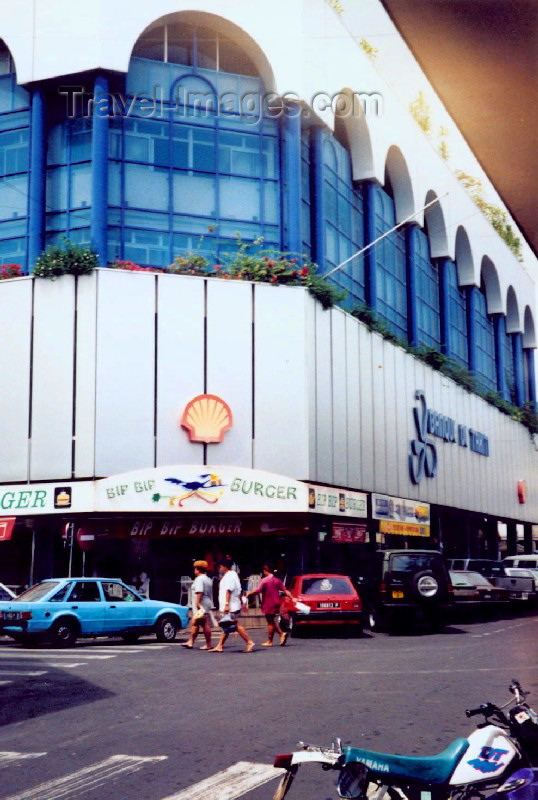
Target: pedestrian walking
x,y
230,607
271,588
202,602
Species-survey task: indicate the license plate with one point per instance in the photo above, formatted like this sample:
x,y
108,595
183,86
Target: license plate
x,y
397,595
10,614
328,605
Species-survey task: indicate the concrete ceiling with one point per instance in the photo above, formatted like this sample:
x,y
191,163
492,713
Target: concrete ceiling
x,y
481,56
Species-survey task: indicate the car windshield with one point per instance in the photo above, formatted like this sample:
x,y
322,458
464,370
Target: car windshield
x,y
326,586
457,579
38,591
406,562
472,579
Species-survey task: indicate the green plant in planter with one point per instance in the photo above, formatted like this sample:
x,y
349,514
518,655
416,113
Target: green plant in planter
x,y
65,258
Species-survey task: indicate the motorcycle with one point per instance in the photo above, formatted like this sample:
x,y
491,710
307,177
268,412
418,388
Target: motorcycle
x,y
468,768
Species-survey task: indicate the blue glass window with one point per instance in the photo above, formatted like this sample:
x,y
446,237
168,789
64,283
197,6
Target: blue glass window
x,y
427,283
390,266
305,193
344,221
485,344
14,138
509,372
69,180
457,303
198,177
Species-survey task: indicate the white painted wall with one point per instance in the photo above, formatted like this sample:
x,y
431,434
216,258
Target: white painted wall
x,y
314,394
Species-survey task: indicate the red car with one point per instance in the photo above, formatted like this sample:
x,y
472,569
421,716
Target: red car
x,y
332,599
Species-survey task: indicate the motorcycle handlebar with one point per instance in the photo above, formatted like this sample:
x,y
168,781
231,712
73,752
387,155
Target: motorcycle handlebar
x,y
486,709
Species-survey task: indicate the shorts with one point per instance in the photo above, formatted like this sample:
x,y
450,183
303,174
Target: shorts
x,y
228,622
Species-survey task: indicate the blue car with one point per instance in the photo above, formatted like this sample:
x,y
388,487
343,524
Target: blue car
x,y
63,609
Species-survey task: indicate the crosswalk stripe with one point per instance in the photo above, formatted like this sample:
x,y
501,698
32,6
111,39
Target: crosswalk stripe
x,y
8,758
32,674
87,778
22,656
229,784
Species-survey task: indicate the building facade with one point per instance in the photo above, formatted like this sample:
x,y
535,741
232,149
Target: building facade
x,y
149,132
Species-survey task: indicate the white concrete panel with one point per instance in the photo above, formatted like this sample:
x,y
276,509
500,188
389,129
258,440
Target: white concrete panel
x,y
16,325
125,372
180,364
353,404
395,442
407,399
367,408
378,420
310,342
86,343
324,397
280,381
339,391
402,414
429,485
229,366
52,378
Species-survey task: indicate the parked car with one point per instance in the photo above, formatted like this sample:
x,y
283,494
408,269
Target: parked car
x,y
521,588
525,561
524,573
6,593
402,586
332,599
63,609
473,589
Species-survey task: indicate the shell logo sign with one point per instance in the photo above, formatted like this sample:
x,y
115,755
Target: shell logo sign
x,y
207,418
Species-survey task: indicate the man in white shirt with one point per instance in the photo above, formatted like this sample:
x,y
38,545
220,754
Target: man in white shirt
x,y
230,607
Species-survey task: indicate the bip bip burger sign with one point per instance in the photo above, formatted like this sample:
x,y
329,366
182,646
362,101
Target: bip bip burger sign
x,y
191,488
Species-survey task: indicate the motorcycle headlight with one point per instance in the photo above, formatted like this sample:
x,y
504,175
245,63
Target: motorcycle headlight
x,y
353,781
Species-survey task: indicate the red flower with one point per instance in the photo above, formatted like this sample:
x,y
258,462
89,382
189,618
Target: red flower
x,y
273,279
304,271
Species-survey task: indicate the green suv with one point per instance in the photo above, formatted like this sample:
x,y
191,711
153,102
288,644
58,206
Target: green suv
x,y
402,587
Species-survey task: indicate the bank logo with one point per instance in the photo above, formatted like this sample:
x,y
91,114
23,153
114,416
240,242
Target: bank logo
x,y
206,488
423,453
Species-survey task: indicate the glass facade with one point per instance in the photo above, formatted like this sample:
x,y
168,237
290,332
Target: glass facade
x,y
390,266
486,370
344,221
427,279
457,305
14,150
509,373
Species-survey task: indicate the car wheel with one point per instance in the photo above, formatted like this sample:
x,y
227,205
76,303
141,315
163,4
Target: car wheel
x,y
166,628
130,638
64,633
376,620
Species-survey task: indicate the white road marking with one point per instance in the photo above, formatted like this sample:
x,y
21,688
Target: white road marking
x,y
32,674
5,683
83,780
66,666
19,654
8,758
229,784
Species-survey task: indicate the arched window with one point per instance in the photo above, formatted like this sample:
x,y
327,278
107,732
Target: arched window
x,y
457,303
427,283
14,148
509,373
390,266
485,344
344,221
206,157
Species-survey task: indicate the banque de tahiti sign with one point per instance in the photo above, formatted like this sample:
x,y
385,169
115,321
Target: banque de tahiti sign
x,y
428,424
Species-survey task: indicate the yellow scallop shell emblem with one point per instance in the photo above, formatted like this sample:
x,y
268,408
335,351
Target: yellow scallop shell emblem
x,y
207,418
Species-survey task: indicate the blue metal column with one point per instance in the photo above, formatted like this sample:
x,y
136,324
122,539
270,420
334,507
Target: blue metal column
x,y
471,326
411,274
292,182
531,372
444,305
369,236
319,242
100,122
499,328
37,178
517,349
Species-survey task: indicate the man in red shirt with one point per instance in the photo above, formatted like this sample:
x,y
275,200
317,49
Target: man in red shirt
x,y
270,589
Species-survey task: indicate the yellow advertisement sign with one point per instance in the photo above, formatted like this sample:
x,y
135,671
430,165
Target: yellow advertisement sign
x,y
403,528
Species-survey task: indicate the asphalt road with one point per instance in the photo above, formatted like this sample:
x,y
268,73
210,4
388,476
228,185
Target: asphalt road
x,y
148,722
